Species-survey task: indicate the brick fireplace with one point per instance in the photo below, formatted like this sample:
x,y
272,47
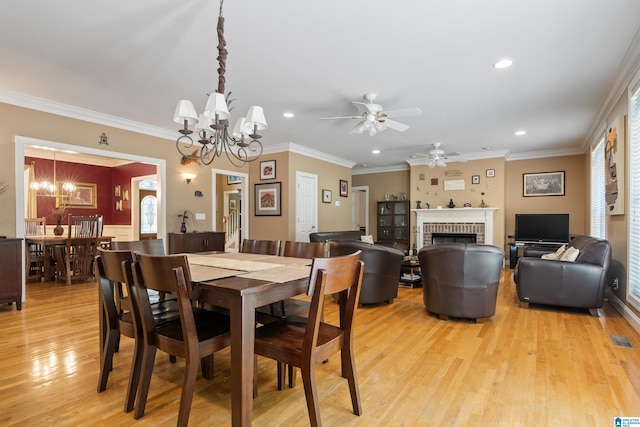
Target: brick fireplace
x,y
464,221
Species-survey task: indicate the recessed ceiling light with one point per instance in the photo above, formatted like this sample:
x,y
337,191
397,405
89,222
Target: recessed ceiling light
x,y
376,151
288,115
503,63
520,132
486,148
363,165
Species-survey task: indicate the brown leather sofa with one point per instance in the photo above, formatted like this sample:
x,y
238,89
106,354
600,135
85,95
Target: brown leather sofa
x,y
381,269
461,279
324,236
579,284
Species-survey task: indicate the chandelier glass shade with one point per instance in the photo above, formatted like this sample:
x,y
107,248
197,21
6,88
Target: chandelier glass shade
x,y
239,145
46,188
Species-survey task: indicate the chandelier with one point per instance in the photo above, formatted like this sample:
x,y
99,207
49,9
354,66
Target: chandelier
x,y
213,124
46,188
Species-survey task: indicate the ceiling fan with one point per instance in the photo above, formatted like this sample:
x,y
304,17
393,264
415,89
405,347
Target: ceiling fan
x,y
436,157
374,119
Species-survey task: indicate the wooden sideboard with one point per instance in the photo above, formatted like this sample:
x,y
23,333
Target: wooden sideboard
x,y
204,241
11,271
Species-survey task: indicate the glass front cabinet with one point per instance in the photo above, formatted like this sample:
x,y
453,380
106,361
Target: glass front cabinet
x,y
393,222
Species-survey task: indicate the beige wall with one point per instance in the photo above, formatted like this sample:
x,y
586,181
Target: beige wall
x,y
574,202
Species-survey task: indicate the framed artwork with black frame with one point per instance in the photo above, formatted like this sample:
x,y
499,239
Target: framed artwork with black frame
x,y
268,199
475,179
268,169
344,188
543,184
232,179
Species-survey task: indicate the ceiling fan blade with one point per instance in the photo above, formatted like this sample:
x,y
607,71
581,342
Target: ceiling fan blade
x,y
392,124
367,107
341,117
404,112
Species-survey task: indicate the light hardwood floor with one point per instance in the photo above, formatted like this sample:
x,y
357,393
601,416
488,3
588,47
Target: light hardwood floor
x,y
542,366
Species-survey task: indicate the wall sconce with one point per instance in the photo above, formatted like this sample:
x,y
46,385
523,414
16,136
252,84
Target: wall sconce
x,y
189,176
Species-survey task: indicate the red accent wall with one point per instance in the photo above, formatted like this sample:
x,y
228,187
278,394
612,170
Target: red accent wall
x,y
105,178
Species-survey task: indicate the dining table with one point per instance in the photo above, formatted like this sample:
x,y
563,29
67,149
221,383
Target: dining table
x,y
48,241
241,283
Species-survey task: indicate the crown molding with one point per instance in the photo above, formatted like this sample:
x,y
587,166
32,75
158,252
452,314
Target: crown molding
x,y
381,169
571,151
65,110
309,152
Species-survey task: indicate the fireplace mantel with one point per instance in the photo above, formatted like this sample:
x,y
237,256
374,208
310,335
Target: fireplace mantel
x,y
455,215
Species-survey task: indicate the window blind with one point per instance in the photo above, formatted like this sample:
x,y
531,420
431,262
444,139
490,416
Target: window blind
x,y
634,197
598,213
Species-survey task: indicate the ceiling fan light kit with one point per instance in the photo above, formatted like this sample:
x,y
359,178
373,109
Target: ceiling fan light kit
x,y
374,119
436,157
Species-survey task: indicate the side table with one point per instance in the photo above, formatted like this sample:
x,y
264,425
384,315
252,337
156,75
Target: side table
x,y
410,276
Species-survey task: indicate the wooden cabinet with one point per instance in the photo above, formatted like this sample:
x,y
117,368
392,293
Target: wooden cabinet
x,y
393,222
11,272
196,242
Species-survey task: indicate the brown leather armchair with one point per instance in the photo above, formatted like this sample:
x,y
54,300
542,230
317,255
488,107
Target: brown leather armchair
x,y
579,284
461,279
325,236
381,269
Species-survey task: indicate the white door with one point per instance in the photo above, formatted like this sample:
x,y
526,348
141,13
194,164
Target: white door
x,y
360,209
306,205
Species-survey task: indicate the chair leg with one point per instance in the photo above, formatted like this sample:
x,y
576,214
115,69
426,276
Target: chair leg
x,y
207,367
106,362
311,394
281,370
292,376
148,360
349,369
188,383
134,375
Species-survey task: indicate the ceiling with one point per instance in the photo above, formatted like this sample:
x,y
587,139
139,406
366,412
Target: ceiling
x,y
134,60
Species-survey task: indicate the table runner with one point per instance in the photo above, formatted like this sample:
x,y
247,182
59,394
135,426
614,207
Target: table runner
x,y
231,264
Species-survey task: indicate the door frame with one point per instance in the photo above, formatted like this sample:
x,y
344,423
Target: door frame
x,y
244,199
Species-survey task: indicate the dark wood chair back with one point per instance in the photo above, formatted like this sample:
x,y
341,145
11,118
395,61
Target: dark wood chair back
x,y
196,337
306,342
305,249
264,247
35,252
147,246
117,317
84,226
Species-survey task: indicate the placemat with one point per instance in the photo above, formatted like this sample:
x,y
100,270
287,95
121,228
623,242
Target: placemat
x,y
201,273
285,260
281,274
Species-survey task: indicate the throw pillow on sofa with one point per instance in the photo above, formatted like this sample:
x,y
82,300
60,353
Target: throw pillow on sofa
x,y
556,255
571,254
367,239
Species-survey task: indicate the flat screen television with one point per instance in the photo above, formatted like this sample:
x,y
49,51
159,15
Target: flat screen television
x,y
542,228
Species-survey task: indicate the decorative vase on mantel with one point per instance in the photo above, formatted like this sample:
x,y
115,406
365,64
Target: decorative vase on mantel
x,y
58,230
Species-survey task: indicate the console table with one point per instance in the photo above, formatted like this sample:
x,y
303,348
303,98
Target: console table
x,y
11,272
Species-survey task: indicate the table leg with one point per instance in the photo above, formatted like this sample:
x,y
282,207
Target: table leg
x,y
243,315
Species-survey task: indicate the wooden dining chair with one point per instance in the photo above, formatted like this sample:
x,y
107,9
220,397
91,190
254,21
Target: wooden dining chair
x,y
74,260
35,252
306,342
197,337
264,247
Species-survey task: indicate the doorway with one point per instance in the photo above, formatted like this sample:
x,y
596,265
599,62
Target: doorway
x,y
360,209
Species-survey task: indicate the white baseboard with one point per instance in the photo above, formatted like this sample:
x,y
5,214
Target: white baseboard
x,y
628,314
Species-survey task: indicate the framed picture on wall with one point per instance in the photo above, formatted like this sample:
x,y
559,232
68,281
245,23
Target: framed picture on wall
x,y
232,179
344,188
268,169
475,179
84,196
268,199
543,184
326,196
